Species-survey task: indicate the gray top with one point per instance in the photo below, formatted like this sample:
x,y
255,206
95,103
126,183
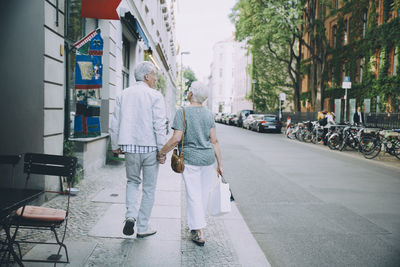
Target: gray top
x,y
197,149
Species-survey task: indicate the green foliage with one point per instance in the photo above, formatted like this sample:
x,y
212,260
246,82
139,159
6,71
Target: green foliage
x,y
189,76
69,150
161,84
383,38
268,28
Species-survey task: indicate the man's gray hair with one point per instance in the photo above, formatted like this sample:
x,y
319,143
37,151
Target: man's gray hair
x,y
142,69
200,92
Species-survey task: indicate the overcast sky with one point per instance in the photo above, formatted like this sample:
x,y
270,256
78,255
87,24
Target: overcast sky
x,y
199,25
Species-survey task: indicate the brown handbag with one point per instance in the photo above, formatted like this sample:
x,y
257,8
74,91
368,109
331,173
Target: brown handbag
x,y
177,161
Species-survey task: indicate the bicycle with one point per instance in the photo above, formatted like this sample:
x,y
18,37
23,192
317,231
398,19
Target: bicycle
x,y
389,140
317,133
351,139
335,136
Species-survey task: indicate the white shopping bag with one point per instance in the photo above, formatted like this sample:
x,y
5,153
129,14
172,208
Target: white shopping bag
x,y
219,202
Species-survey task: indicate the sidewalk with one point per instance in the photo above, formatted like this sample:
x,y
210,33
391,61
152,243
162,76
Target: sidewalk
x,y
95,236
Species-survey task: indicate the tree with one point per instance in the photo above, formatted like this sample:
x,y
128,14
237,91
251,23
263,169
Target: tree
x,y
271,28
188,77
317,45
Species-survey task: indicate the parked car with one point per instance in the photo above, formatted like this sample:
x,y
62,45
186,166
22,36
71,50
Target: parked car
x,y
267,122
242,115
249,120
229,119
235,120
224,118
218,117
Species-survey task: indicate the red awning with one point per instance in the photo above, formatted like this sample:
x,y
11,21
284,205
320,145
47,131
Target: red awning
x,y
100,9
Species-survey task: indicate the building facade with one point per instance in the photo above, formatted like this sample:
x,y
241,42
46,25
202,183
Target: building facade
x,y
37,71
361,47
229,80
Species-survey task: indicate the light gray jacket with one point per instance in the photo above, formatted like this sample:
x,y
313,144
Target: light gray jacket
x,y
139,117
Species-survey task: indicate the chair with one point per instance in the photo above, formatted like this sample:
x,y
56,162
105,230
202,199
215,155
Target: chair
x,y
41,218
10,160
7,160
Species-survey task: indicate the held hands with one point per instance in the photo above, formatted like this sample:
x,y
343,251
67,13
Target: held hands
x,y
117,151
161,157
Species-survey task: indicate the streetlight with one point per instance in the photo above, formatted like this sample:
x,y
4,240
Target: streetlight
x,y
254,81
182,53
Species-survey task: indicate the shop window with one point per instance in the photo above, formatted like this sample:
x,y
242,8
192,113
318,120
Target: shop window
x,y
125,62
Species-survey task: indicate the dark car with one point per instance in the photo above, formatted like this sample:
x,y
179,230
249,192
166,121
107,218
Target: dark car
x,y
242,115
267,123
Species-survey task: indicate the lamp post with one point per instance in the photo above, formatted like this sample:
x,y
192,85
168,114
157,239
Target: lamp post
x,y
254,81
182,53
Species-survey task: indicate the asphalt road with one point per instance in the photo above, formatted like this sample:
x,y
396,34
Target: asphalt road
x,y
309,206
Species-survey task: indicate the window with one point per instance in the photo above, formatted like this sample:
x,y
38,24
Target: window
x,y
344,71
382,56
361,69
349,31
345,32
125,62
396,60
334,32
365,21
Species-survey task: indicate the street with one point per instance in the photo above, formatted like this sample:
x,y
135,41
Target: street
x,y
309,206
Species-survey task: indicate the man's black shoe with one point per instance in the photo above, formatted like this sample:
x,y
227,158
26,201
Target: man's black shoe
x,y
128,228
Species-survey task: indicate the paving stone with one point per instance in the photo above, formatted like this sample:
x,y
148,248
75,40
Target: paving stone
x,y
93,202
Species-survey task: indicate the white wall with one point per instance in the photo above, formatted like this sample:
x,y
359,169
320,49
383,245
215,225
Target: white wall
x,y
230,88
54,79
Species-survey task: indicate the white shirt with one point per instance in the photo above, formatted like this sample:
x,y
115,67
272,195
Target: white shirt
x,y
330,121
139,118
359,115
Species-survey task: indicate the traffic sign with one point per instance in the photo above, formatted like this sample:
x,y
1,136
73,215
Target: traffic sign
x,y
346,85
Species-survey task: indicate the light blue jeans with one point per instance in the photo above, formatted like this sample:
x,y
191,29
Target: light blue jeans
x,y
148,164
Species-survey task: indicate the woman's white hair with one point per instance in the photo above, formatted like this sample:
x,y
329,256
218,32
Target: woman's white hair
x,y
142,69
200,92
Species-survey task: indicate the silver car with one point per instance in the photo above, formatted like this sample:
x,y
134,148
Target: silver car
x,y
249,120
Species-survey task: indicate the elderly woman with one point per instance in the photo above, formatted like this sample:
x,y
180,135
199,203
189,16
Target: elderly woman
x,y
200,149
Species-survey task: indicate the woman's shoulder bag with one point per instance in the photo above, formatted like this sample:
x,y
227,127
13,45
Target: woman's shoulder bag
x,y
177,161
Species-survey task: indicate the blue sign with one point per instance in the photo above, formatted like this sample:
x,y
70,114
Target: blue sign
x,y
347,78
88,72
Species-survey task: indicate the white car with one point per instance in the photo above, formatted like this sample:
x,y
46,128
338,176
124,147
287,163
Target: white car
x,y
249,120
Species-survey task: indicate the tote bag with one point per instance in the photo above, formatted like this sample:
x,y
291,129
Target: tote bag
x,y
220,198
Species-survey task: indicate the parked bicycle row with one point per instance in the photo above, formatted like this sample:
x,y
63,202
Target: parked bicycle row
x,y
368,141
248,120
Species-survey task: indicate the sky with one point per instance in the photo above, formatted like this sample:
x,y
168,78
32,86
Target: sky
x,y
199,25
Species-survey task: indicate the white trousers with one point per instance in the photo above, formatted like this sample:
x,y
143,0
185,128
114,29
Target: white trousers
x,y
198,181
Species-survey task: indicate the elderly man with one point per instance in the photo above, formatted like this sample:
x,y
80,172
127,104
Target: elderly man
x,y
138,130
